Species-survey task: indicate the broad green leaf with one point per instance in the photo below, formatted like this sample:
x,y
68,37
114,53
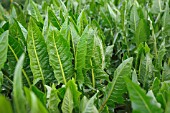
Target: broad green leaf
x,y
3,13
141,103
15,50
163,94
160,98
100,76
87,106
166,20
167,110
65,30
67,105
12,15
134,17
98,63
53,19
18,88
64,8
40,95
142,32
153,99
134,77
45,27
3,48
16,32
5,105
99,53
74,90
80,58
139,53
157,6
34,103
114,13
34,11
38,55
20,15
116,88
53,100
123,15
74,36
23,30
146,70
61,92
155,86
106,58
60,56
89,34
161,54
82,21
166,72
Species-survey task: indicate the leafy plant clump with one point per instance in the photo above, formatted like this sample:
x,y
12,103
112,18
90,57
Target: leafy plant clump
x,y
85,56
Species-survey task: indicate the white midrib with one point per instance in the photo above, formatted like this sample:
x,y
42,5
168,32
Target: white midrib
x,y
37,57
61,66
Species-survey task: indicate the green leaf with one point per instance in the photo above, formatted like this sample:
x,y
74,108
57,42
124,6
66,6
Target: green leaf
x,y
74,36
34,11
15,50
114,13
82,21
162,95
18,88
141,103
166,20
89,34
155,86
134,17
167,110
3,48
146,70
38,55
20,15
53,100
99,54
87,106
34,103
53,19
134,77
161,54
74,90
45,27
65,30
15,31
41,95
142,32
166,72
67,105
156,6
98,63
116,88
5,106
80,58
60,56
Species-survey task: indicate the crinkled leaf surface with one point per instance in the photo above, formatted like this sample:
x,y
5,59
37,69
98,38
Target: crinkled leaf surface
x,y
116,88
37,50
3,48
60,56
